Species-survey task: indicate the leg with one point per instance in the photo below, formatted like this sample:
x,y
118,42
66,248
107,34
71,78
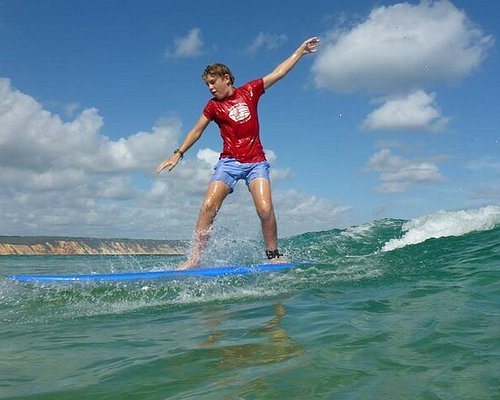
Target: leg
x,y
260,188
215,195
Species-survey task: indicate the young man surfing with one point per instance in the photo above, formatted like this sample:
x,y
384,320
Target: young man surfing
x,y
234,110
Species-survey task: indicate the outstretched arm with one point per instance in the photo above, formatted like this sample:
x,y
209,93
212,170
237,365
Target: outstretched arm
x,y
309,46
192,136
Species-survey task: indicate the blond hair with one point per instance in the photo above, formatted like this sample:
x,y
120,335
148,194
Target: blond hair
x,y
217,70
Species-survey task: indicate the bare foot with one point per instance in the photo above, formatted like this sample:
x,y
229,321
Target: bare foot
x,y
278,260
188,264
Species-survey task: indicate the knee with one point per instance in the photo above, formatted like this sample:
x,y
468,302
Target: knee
x,y
265,211
210,207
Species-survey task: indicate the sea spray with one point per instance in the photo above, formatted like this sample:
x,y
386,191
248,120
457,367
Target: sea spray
x,y
445,223
418,322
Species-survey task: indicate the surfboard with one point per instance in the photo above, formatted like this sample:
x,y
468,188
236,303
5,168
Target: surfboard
x,y
216,271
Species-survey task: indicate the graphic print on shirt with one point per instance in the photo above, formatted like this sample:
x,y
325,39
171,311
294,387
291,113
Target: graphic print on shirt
x,y
239,112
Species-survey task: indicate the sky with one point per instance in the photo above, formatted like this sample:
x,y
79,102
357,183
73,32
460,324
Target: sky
x,y
397,115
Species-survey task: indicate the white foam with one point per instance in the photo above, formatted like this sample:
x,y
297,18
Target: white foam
x,y
361,231
446,223
357,232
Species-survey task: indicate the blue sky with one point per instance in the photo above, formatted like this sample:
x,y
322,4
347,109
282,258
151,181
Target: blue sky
x,y
396,116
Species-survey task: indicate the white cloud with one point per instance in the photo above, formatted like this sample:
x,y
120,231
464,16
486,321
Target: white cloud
x,y
396,52
68,173
416,111
209,156
399,174
187,46
67,178
136,152
115,187
267,41
298,210
401,47
71,109
32,139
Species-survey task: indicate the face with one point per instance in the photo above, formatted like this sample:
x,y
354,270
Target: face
x,y
219,86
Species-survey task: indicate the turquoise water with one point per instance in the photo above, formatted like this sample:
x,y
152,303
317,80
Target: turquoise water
x,y
392,310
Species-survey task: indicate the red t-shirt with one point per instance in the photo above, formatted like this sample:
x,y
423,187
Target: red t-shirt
x,y
238,122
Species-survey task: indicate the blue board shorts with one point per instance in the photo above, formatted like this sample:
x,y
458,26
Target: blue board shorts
x,y
229,171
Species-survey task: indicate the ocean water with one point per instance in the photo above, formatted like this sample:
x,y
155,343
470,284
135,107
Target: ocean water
x,y
390,310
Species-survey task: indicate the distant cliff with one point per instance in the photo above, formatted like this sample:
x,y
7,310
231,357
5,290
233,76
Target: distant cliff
x,y
37,245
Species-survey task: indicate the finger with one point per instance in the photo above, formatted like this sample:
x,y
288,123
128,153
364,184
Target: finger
x,y
313,47
171,166
314,42
161,167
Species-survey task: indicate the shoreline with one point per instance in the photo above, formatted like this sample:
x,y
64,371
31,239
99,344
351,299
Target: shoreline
x,y
56,245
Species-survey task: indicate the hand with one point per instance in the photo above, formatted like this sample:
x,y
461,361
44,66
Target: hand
x,y
310,45
170,164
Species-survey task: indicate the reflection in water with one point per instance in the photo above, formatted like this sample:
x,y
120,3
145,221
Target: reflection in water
x,y
268,344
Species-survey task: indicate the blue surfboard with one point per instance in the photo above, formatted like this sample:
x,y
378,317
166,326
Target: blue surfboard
x,y
162,274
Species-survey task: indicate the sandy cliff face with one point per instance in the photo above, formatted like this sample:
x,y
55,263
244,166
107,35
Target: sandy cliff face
x,y
91,247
